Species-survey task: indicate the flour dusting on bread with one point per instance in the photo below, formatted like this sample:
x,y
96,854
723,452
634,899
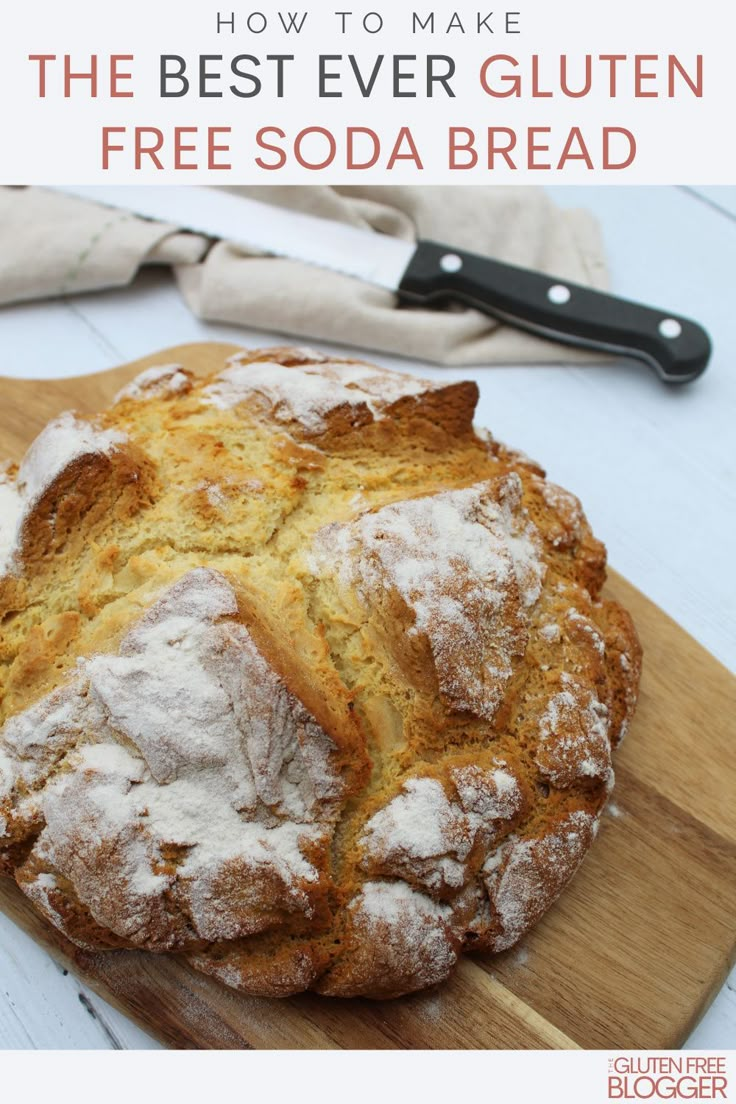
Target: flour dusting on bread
x,y
64,441
467,565
309,393
199,749
155,383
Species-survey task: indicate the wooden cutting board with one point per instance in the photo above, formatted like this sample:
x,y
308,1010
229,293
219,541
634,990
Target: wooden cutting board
x,y
629,957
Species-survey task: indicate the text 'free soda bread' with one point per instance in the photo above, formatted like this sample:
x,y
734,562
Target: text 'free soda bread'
x,y
301,677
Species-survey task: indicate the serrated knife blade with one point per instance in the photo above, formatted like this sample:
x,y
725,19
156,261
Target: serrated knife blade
x,y
263,228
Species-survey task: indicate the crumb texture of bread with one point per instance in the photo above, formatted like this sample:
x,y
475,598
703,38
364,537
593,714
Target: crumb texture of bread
x,y
301,676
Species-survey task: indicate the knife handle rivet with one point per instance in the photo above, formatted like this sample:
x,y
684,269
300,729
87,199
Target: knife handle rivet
x,y
670,327
450,262
559,294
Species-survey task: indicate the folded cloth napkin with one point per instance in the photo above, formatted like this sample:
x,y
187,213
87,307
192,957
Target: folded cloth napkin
x,y
52,244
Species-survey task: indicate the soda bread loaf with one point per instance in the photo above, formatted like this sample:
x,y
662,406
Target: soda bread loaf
x,y
302,677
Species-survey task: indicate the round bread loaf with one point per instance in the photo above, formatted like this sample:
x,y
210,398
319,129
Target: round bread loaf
x,y
302,677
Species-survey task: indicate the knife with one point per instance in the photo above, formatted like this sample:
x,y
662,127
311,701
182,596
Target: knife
x,y
428,274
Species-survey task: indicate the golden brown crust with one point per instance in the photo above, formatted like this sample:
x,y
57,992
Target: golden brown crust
x,y
301,676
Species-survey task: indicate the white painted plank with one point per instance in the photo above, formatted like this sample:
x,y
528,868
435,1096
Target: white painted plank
x,y
717,1029
89,333
42,1007
50,339
721,196
119,1029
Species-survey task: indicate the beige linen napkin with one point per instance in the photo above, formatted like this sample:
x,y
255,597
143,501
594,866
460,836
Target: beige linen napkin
x,y
51,244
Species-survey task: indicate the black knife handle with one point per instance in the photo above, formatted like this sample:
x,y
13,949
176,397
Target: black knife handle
x,y
676,347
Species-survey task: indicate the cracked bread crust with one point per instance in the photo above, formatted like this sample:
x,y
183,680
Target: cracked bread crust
x,y
302,677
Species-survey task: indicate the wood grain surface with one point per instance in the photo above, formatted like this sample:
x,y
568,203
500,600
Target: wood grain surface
x,y
629,957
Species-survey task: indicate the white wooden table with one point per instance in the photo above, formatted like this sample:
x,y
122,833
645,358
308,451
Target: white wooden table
x,y
654,467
